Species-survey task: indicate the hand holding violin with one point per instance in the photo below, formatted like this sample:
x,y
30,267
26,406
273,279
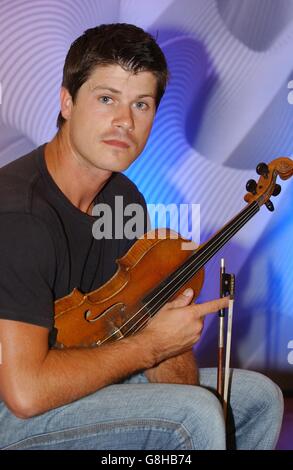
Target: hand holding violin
x,y
178,325
178,336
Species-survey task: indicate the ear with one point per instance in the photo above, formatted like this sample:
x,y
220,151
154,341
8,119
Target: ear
x,y
65,103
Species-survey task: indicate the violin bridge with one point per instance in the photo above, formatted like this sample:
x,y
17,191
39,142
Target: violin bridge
x,y
116,334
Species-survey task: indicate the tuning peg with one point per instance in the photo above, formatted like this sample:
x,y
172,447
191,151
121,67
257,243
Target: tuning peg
x,y
262,169
251,186
277,190
270,205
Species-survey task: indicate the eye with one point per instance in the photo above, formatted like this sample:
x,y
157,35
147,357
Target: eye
x,y
141,105
105,99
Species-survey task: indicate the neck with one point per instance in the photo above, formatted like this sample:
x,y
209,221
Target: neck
x,y
79,181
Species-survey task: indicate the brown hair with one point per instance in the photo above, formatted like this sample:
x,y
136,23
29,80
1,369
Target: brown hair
x,y
108,44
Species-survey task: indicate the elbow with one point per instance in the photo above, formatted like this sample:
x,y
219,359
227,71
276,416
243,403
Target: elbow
x,y
21,406
19,413
22,413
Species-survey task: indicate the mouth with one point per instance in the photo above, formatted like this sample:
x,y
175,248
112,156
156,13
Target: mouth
x,y
117,143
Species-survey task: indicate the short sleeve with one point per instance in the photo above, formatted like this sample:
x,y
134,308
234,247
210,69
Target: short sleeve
x,y
27,270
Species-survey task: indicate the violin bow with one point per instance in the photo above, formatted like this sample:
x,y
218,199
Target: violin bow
x,y
227,288
221,333
228,344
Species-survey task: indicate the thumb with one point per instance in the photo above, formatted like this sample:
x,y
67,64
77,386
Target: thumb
x,y
183,299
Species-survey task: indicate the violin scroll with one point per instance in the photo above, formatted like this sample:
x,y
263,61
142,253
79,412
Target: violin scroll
x,y
266,186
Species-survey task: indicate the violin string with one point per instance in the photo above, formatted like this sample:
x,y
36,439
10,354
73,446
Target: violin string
x,y
225,237
200,260
174,288
211,246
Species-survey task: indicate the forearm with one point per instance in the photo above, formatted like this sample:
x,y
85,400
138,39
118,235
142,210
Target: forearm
x,y
181,369
69,374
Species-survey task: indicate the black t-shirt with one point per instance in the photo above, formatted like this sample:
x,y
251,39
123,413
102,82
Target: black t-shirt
x,y
47,246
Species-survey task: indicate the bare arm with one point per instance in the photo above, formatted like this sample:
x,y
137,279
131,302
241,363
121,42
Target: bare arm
x,y
34,379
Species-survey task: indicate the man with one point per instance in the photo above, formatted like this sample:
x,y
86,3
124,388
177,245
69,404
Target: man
x,y
139,392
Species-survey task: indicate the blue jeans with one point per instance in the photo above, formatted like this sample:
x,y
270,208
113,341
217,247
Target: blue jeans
x,y
138,415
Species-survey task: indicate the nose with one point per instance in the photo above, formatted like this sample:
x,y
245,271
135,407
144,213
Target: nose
x,y
124,118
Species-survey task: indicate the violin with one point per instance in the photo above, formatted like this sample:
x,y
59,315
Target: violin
x,y
154,271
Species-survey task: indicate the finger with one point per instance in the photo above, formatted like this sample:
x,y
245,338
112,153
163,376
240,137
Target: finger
x,y
211,307
183,299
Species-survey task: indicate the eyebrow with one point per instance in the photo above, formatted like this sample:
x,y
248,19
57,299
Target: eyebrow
x,y
113,90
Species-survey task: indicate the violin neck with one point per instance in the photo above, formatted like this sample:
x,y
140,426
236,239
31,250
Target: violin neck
x,y
172,284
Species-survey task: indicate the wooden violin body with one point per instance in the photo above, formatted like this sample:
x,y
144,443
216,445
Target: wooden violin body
x,y
116,309
154,271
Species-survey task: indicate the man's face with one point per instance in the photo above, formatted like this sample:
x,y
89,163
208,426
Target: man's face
x,y
112,116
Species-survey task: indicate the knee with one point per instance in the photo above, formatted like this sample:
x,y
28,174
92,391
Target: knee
x,y
203,419
264,394
271,396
